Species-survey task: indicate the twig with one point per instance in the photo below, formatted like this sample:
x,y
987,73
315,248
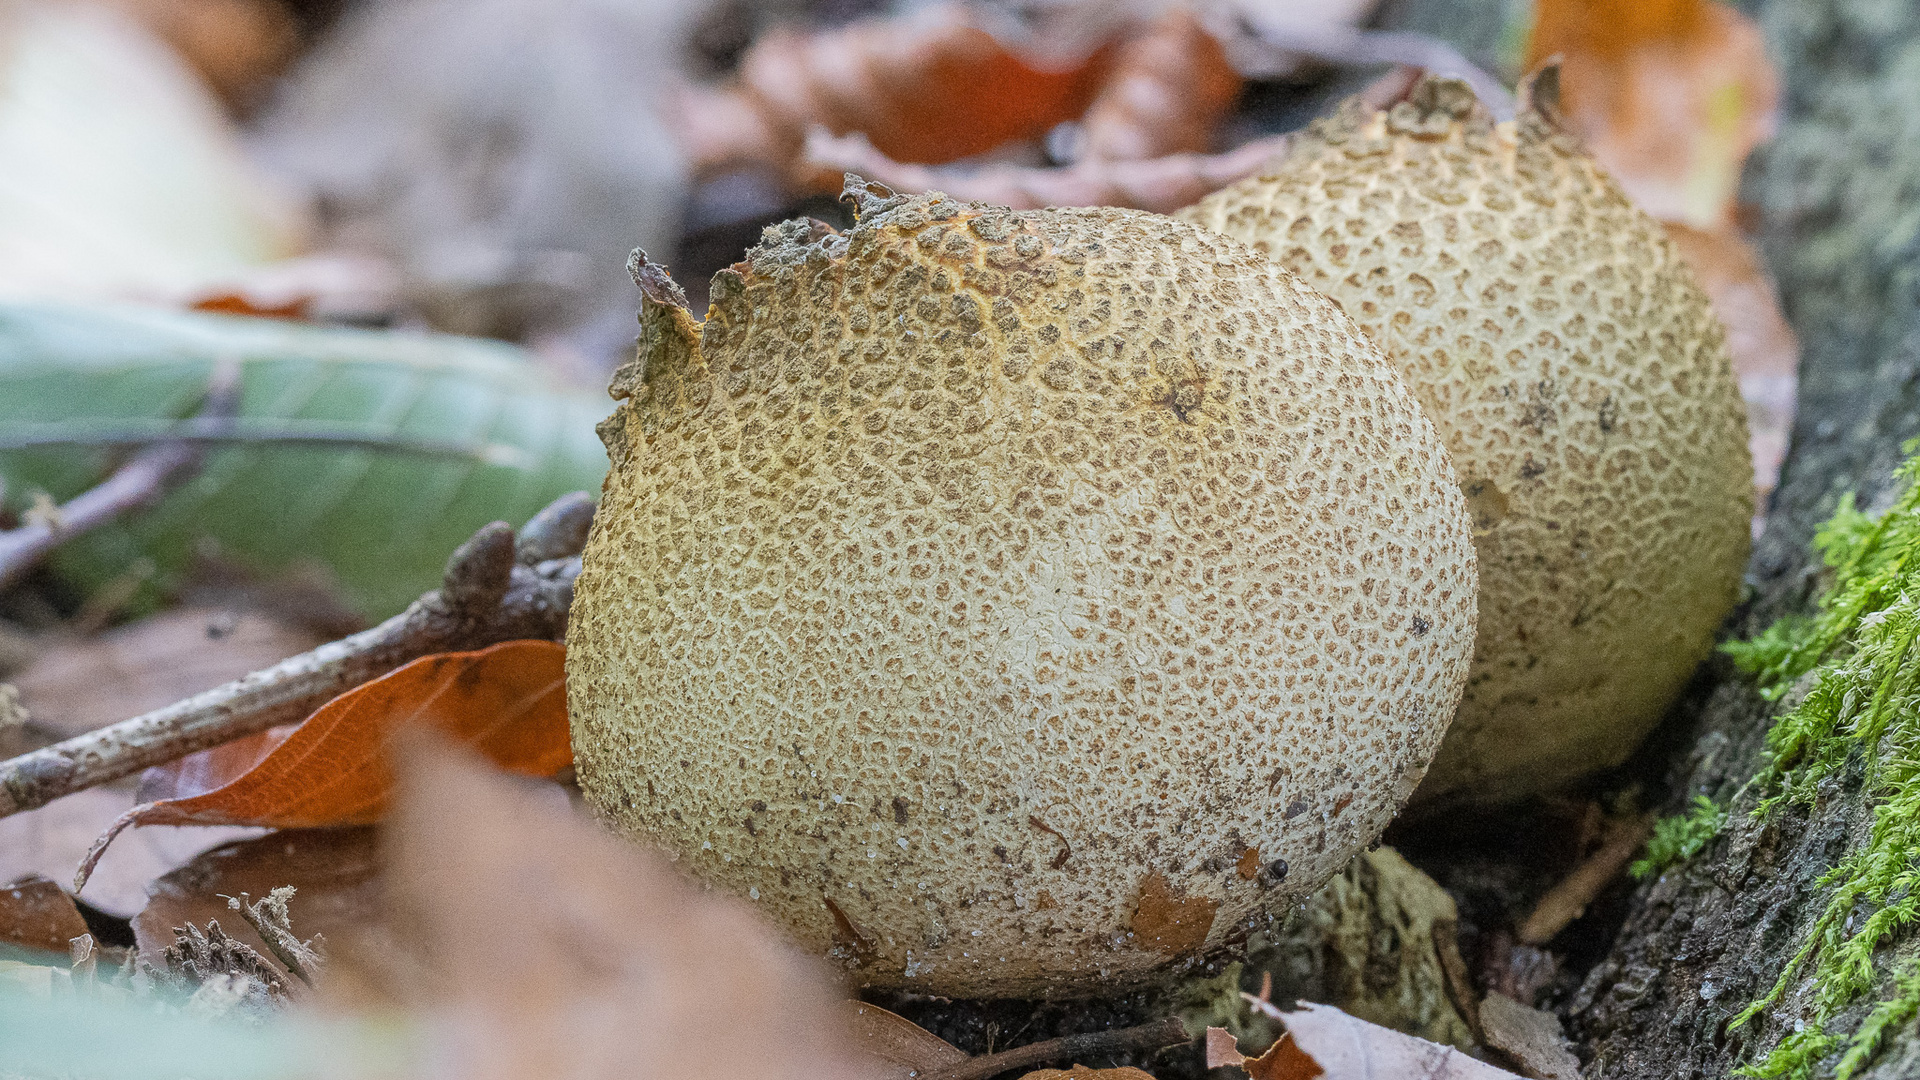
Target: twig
x,y
1566,901
140,482
488,595
1145,1037
202,431
269,918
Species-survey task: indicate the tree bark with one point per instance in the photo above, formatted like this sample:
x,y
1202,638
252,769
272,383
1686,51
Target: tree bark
x,y
1839,200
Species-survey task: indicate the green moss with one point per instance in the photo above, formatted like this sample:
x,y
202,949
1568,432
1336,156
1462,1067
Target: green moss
x,y
1857,654
1680,837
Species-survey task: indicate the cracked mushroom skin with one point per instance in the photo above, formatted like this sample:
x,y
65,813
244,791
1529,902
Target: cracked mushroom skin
x,y
1013,603
1582,384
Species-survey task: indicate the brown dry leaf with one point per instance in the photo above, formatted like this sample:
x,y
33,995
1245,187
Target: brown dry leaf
x,y
1669,95
1081,1072
930,87
332,869
1766,352
898,1041
76,686
1532,1038
508,701
538,945
37,914
1170,86
1161,185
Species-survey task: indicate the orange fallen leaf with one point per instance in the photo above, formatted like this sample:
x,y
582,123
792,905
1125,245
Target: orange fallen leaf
x,y
930,87
1669,96
507,702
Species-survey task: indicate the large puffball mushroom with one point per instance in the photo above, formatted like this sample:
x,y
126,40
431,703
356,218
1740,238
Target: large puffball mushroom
x,y
1580,380
1014,603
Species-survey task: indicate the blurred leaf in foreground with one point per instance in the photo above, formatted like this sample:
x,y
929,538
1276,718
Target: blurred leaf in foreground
x,y
368,454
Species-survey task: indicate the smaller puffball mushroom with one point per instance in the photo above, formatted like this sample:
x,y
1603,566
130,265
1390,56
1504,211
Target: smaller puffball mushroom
x,y
1581,382
1014,603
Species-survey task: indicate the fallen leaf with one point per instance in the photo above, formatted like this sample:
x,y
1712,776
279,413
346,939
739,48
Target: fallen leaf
x,y
930,87
76,686
1766,352
507,701
1284,1060
1222,1048
332,869
1081,1072
1170,86
532,943
1532,1038
1669,95
1345,1048
898,1041
37,914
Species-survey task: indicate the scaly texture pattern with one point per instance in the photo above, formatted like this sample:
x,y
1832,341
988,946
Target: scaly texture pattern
x,y
1583,386
1013,603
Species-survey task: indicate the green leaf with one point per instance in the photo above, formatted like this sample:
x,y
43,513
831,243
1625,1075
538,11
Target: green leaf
x,y
447,434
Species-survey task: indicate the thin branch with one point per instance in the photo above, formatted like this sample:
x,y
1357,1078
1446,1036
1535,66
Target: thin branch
x,y
214,431
1568,900
139,483
1069,1048
486,597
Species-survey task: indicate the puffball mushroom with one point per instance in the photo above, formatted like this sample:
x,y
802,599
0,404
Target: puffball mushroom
x,y
1013,603
1583,385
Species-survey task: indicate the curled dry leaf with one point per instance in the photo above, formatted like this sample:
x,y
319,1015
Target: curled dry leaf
x,y
1170,86
508,702
931,87
1161,185
531,943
